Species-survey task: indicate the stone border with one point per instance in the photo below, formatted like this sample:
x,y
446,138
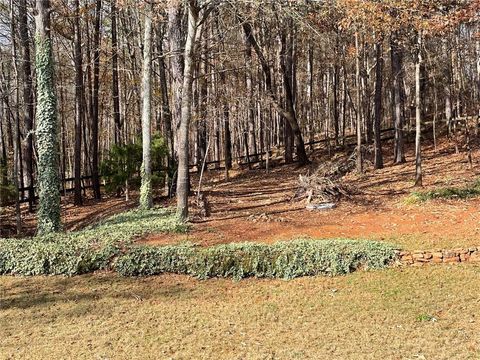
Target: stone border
x,y
438,256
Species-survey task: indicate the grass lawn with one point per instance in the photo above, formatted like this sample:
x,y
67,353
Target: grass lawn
x,y
399,313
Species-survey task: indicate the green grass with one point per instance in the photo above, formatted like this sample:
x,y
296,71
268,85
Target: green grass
x,y
461,193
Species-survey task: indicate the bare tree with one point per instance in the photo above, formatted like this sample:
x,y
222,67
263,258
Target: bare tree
x,y
146,200
418,110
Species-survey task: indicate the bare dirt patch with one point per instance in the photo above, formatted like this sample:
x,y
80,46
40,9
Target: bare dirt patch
x,y
257,206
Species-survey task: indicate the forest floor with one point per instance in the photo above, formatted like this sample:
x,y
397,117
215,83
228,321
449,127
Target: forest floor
x,y
259,206
256,206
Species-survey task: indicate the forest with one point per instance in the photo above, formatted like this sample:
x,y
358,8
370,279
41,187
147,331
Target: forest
x,y
242,138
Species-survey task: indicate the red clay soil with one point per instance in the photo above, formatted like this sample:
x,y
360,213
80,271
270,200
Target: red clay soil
x,y
73,217
256,206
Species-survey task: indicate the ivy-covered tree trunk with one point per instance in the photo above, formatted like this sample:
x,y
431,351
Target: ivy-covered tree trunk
x,y
146,201
46,125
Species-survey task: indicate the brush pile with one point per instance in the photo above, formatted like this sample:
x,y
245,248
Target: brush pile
x,y
324,184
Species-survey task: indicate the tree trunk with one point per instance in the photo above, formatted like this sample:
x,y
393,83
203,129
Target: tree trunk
x,y
336,76
115,84
378,105
202,107
186,104
477,51
252,141
166,113
398,100
95,106
358,105
227,136
28,98
418,111
79,92
146,200
46,125
17,162
176,63
309,109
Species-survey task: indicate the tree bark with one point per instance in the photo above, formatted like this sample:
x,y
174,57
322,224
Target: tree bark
x,y
418,110
146,199
378,105
358,105
166,112
28,99
336,76
186,104
79,108
95,101
115,83
17,162
398,100
252,141
176,64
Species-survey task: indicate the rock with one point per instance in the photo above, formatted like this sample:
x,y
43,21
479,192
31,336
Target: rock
x,y
451,259
321,207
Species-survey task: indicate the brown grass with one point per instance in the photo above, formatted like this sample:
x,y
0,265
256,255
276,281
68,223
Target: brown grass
x,y
408,313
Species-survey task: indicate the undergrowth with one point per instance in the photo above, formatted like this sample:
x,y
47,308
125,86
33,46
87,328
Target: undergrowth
x,y
109,245
466,192
83,251
284,260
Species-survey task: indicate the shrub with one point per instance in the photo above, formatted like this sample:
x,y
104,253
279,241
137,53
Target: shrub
x,y
123,164
285,260
8,192
466,192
